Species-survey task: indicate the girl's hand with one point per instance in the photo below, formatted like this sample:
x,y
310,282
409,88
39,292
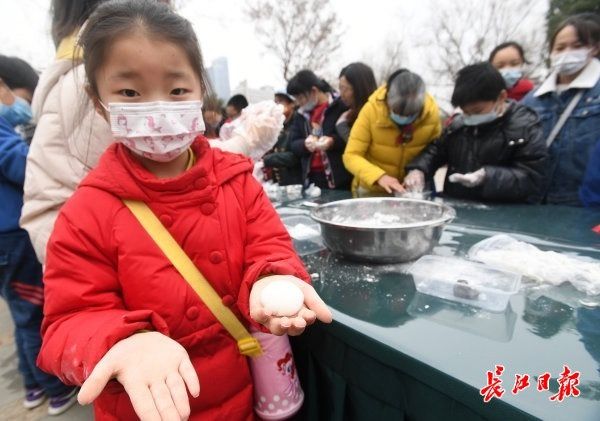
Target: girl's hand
x,y
390,184
154,370
314,308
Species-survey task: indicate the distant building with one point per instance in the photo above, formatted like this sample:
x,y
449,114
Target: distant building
x,y
218,74
254,95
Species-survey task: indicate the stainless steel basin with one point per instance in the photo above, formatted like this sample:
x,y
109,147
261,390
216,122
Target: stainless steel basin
x,y
382,230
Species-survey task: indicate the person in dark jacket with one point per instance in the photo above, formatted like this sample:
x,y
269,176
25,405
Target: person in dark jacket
x,y
495,150
314,139
20,272
283,164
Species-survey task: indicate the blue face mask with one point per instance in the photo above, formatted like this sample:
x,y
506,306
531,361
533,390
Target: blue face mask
x,y
511,76
19,112
402,120
479,119
309,106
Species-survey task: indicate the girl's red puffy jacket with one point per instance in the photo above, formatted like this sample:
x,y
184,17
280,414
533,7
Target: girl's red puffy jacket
x,y
106,279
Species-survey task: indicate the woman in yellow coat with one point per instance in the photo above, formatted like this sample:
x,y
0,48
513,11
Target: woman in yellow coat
x,y
392,128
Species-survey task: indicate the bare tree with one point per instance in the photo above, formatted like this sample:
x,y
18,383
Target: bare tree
x,y
300,33
465,32
389,57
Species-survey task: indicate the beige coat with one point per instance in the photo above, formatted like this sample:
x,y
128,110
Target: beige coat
x,y
70,137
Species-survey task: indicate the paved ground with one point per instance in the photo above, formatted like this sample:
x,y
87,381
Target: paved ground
x,y
11,392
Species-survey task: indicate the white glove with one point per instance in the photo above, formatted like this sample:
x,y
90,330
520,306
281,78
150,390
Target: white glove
x,y
156,391
257,172
414,181
313,191
472,179
255,131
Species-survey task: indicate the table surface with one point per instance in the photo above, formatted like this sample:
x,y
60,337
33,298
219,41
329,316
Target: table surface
x,y
543,328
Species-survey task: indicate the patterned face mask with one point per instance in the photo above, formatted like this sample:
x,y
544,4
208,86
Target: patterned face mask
x,y
160,131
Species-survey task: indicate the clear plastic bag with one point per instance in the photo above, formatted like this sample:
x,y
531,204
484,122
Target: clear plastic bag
x,y
550,267
254,132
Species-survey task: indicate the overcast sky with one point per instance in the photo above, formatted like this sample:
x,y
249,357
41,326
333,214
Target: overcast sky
x,y
223,30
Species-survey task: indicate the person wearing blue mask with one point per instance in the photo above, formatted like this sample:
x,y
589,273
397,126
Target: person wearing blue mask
x,y
20,272
509,59
398,121
15,103
494,151
314,138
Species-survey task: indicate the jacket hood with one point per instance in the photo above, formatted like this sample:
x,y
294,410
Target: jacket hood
x,y
122,175
377,99
49,79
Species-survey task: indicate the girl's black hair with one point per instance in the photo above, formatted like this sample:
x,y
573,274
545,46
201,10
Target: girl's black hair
x,y
362,79
117,18
69,15
509,44
587,26
304,81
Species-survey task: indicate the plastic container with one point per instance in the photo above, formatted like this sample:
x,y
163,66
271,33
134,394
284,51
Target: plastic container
x,y
498,326
465,281
305,233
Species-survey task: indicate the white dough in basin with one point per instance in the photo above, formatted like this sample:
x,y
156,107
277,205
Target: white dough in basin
x,y
282,298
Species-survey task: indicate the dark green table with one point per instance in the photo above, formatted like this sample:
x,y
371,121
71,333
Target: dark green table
x,y
393,353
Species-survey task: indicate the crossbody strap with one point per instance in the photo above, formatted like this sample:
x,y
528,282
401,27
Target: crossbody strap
x,y
247,344
563,118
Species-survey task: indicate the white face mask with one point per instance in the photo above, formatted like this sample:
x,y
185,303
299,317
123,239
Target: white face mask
x,y
160,131
571,61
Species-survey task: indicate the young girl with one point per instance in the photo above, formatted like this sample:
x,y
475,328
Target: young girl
x,y
116,309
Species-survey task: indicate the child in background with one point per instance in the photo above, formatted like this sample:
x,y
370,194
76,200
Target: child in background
x,y
495,150
116,308
20,272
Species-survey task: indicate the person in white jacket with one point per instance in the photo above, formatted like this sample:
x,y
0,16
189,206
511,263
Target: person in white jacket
x,y
70,138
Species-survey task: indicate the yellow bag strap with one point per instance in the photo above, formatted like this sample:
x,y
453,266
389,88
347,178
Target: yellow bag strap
x,y
247,344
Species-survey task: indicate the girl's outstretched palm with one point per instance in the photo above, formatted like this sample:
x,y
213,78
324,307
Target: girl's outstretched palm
x,y
154,370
